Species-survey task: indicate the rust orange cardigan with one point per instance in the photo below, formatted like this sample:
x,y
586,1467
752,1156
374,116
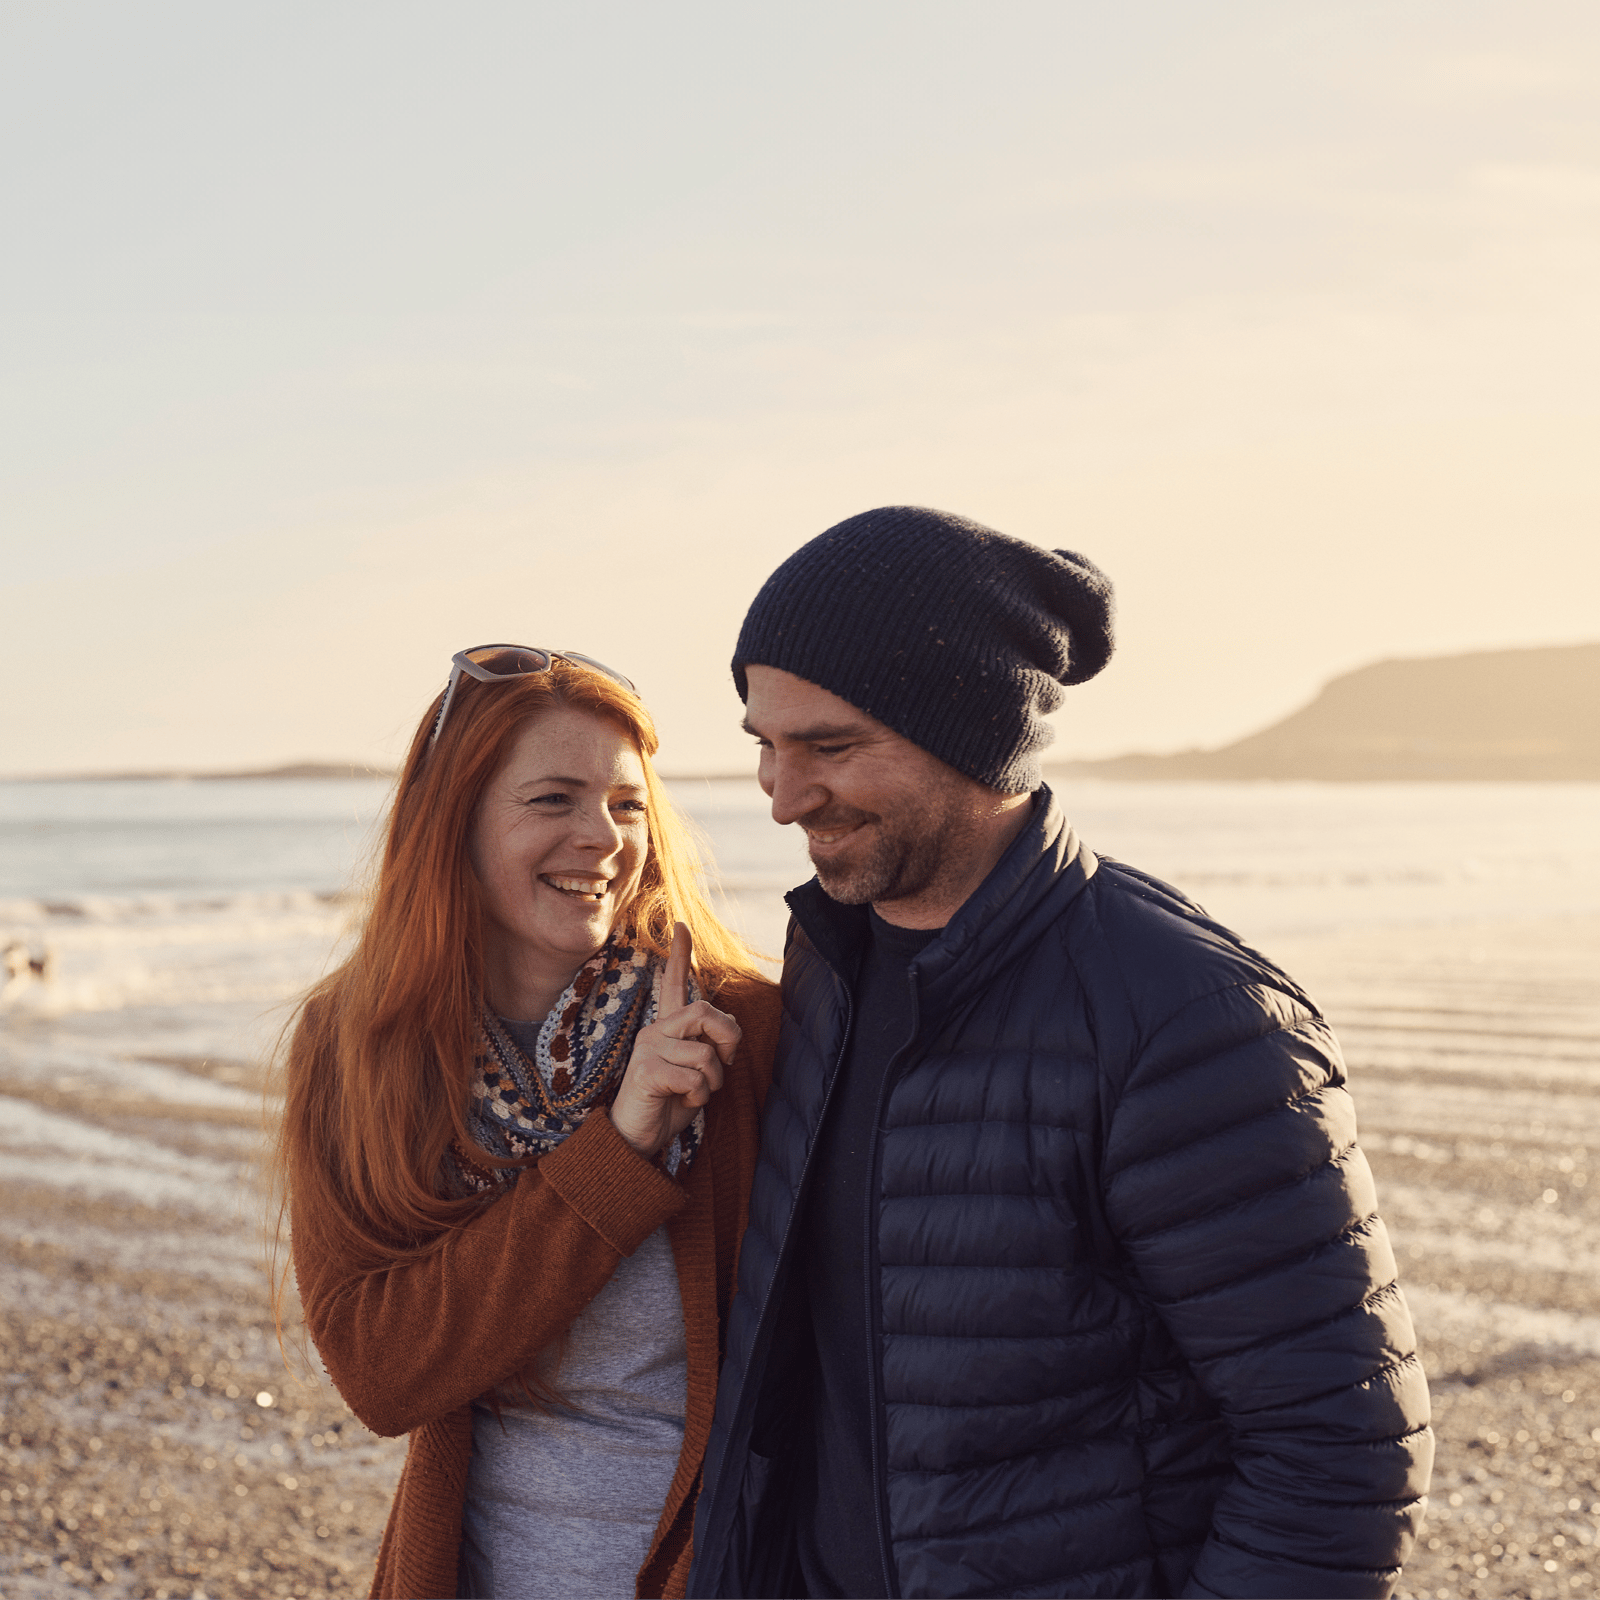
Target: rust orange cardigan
x,y
410,1348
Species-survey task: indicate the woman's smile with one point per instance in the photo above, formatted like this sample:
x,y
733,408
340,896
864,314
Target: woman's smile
x,y
581,888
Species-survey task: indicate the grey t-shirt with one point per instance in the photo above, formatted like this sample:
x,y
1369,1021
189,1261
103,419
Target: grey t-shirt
x,y
566,1503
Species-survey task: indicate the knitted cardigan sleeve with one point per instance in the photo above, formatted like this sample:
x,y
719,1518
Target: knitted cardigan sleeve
x,y
1235,1185
409,1344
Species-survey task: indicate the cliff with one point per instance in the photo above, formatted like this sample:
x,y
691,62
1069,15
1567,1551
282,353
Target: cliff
x,y
1494,714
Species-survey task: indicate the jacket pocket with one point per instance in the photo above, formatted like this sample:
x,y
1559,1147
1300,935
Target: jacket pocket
x,y
763,1560
752,1495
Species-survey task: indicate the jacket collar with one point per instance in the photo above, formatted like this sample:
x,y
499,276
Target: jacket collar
x,y
1045,867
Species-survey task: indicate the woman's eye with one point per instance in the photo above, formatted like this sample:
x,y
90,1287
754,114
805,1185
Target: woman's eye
x,y
633,807
551,800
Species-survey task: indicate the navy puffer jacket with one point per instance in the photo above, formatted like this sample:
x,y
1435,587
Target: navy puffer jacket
x,y
1137,1319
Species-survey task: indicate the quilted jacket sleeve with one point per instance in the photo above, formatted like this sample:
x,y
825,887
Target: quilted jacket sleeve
x,y
1235,1185
409,1344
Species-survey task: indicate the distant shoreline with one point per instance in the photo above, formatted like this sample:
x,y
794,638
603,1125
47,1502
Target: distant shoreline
x,y
1105,769
297,771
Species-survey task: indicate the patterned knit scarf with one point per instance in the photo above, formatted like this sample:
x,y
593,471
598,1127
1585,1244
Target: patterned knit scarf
x,y
521,1107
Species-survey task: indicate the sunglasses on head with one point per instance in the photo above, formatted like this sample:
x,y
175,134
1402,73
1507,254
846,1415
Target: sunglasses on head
x,y
491,663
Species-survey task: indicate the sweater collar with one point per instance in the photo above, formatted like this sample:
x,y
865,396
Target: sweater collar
x,y
1044,867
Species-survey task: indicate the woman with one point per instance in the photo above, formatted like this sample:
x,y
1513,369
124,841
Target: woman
x,y
517,1144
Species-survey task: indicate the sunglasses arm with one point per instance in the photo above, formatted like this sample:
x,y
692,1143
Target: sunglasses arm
x,y
444,705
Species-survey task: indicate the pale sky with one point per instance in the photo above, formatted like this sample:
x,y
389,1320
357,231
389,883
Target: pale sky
x,y
337,337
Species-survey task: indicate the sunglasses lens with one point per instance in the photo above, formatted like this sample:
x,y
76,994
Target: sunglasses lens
x,y
509,661
599,666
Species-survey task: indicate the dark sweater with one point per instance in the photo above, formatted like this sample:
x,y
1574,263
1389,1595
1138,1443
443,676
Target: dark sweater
x,y
840,1550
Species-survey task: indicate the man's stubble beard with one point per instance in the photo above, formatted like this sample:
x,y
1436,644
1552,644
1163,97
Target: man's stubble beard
x,y
908,857
895,868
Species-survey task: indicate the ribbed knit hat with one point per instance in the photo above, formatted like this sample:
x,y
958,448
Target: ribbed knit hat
x,y
957,637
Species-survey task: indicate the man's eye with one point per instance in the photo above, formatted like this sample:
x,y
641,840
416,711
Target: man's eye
x,y
830,749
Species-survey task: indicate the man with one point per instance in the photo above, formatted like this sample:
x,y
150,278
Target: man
x,y
1063,1274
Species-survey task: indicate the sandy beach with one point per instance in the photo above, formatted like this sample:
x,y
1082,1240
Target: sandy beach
x,y
154,1440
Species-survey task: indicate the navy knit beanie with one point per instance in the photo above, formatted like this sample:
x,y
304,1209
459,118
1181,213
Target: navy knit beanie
x,y
955,636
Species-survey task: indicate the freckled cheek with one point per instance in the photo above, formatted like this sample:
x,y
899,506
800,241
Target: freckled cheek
x,y
638,852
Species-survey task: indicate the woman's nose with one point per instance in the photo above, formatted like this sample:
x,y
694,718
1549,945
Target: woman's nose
x,y
598,830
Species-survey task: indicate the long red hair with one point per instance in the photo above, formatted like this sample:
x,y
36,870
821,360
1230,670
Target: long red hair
x,y
375,1073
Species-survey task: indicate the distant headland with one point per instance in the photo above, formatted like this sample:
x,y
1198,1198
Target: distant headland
x,y
1529,715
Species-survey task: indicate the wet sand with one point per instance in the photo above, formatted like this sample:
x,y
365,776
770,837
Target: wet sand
x,y
135,1460
1474,1056
136,1457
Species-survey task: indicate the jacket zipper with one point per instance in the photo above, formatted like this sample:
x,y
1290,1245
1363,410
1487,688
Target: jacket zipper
x,y
746,1423
874,1304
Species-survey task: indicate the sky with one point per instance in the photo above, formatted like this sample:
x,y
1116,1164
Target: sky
x,y
335,338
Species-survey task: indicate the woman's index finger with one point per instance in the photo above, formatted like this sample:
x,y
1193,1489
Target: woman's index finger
x,y
675,980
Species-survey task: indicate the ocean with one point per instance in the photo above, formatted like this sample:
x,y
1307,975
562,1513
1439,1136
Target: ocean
x,y
181,915
1451,931
180,918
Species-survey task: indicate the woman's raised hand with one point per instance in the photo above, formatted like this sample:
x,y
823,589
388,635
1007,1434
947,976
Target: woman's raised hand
x,y
677,1061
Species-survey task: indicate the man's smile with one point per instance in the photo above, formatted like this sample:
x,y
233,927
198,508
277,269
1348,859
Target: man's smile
x,y
827,830
818,837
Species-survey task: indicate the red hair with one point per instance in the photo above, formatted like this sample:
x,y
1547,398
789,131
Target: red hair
x,y
375,1075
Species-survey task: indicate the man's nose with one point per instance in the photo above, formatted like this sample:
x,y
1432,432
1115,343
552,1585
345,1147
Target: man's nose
x,y
789,786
